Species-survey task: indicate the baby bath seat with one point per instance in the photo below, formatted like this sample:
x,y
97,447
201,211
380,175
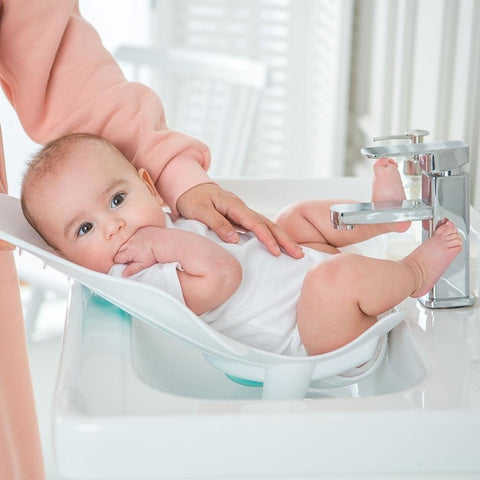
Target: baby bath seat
x,y
282,376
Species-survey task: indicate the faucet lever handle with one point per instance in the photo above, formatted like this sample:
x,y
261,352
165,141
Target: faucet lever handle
x,y
438,158
410,165
416,136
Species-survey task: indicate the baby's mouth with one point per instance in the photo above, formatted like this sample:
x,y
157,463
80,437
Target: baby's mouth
x,y
123,244
124,241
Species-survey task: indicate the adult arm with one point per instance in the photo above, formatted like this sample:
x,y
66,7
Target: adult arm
x,y
60,79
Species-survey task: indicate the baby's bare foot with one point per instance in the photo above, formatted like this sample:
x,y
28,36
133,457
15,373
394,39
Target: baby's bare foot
x,y
433,257
387,183
387,187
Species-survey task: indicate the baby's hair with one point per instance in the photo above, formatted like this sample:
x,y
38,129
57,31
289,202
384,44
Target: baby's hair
x,y
48,160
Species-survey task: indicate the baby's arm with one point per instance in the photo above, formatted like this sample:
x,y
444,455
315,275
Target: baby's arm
x,y
210,273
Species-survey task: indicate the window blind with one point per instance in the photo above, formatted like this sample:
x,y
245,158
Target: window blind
x,y
300,128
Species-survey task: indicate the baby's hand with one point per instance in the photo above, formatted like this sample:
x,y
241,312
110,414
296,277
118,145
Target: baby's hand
x,y
138,252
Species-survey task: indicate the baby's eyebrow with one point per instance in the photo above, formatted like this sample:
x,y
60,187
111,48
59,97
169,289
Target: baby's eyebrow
x,y
70,224
112,186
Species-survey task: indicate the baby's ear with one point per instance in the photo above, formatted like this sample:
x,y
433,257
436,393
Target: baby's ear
x,y
147,180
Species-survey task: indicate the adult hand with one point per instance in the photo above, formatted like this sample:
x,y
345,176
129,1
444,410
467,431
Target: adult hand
x,y
221,210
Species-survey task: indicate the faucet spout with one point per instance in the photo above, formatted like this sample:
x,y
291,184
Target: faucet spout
x,y
346,216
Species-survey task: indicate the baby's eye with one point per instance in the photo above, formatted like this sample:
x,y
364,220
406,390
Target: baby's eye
x,y
84,228
117,199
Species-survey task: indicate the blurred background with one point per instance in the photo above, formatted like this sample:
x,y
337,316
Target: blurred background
x,y
337,73
276,88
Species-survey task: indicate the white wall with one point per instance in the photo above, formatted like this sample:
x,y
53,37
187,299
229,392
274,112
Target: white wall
x,y
17,146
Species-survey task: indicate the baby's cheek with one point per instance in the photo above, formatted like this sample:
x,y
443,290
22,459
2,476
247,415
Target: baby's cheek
x,y
98,260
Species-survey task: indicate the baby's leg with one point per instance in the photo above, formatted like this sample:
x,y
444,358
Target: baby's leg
x,y
342,296
387,187
308,223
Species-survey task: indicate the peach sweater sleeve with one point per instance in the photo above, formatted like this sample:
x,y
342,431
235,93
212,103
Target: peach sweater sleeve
x,y
60,79
20,450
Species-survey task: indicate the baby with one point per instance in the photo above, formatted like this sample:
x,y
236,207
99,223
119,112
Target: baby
x,y
92,207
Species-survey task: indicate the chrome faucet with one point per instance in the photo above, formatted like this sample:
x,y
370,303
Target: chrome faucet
x,y
445,193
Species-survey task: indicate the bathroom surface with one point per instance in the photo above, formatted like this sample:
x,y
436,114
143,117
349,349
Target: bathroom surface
x,y
133,403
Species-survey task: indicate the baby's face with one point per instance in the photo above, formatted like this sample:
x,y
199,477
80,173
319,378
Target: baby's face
x,y
93,204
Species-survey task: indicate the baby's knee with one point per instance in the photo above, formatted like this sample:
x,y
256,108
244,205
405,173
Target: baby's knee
x,y
337,265
287,215
332,272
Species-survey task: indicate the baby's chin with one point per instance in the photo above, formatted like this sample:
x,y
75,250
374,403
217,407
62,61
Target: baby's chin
x,y
104,268
107,268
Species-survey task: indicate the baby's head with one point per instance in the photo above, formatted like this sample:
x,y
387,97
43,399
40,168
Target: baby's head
x,y
86,199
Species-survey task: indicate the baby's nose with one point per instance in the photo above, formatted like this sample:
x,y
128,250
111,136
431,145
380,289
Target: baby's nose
x,y
113,227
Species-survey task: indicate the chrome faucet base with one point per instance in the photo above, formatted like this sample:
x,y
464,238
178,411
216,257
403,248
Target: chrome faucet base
x,y
428,302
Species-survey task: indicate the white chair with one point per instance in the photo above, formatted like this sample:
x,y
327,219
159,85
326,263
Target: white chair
x,y
212,97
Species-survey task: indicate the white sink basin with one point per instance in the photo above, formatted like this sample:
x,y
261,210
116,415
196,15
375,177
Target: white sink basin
x,y
132,403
